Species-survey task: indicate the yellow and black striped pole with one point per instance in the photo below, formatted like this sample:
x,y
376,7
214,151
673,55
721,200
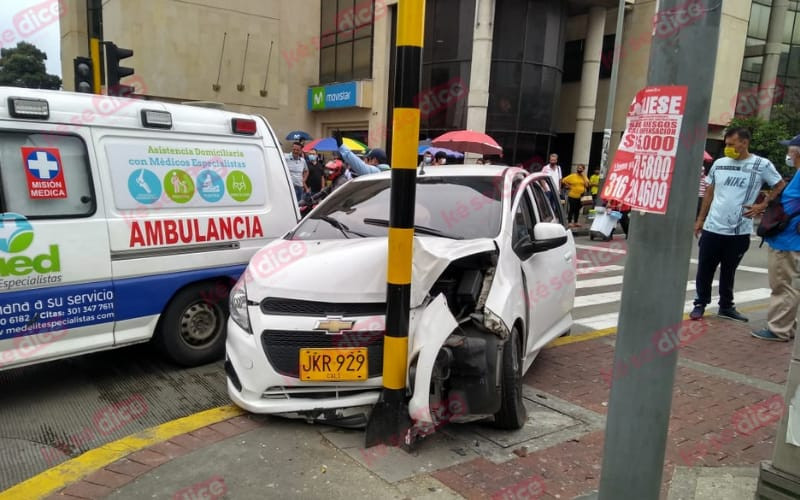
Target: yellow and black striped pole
x,y
389,420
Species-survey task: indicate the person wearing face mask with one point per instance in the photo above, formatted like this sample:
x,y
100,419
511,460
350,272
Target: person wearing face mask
x,y
725,222
427,159
316,167
440,158
783,265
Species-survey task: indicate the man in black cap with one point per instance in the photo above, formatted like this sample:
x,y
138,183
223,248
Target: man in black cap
x,y
376,158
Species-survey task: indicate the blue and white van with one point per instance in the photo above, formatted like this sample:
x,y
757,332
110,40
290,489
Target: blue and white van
x,y
126,220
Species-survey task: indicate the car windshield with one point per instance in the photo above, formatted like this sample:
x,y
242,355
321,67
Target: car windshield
x,y
465,207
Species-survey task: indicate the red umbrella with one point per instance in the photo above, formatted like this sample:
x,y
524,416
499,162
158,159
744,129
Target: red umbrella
x,y
468,141
706,156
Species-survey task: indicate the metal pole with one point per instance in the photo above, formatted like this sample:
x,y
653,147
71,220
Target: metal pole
x,y
654,289
389,421
612,95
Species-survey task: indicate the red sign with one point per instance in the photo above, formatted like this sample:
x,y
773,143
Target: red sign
x,y
171,231
641,174
44,172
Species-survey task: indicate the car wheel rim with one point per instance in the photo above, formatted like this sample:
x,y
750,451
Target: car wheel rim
x,y
200,324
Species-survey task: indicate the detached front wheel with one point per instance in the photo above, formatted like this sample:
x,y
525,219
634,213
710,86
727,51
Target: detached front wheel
x,y
193,326
512,414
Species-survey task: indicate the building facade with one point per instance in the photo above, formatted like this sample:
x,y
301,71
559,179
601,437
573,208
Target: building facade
x,y
533,74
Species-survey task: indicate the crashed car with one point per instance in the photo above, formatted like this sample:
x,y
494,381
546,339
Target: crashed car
x,y
493,281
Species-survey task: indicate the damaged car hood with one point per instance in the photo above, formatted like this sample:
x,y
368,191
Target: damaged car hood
x,y
350,270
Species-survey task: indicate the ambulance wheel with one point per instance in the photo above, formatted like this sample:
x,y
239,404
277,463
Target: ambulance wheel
x,y
512,414
192,329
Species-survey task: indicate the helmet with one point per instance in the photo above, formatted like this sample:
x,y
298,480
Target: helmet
x,y
333,169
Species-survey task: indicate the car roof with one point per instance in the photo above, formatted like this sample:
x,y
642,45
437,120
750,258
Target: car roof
x,y
121,112
467,170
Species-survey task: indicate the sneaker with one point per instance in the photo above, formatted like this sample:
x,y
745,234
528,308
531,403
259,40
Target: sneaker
x,y
766,334
732,313
697,313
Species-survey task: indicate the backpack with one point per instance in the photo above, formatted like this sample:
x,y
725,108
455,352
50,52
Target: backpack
x,y
775,220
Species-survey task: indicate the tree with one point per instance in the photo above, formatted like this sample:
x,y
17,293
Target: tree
x,y
23,66
768,134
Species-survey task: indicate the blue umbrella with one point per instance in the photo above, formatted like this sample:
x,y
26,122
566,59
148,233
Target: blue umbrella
x,y
433,151
298,135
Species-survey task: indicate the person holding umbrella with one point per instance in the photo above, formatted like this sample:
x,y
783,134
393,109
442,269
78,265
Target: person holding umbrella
x,y
376,159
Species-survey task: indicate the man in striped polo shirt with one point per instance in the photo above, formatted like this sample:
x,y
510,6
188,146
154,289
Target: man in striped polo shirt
x,y
726,219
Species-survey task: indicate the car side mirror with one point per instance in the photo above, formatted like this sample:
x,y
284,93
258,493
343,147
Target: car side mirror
x,y
548,235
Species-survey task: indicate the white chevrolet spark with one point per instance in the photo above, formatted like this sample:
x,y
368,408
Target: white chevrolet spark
x,y
493,282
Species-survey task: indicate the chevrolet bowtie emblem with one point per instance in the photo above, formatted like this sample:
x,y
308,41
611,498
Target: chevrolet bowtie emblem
x,y
334,325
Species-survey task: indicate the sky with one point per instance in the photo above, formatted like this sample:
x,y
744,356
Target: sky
x,y
41,31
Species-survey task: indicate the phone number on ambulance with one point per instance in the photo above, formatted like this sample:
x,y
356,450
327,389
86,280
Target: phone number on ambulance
x,y
25,324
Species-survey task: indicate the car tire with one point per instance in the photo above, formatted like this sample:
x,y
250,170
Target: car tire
x,y
192,328
512,414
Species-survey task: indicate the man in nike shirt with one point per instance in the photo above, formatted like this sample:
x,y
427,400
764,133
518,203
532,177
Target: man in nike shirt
x,y
725,219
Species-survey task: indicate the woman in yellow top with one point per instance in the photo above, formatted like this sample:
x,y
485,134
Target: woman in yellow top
x,y
577,184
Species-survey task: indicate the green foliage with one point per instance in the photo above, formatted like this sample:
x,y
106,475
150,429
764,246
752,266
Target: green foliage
x,y
23,66
784,124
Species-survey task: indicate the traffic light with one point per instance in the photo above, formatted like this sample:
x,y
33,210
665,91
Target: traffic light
x,y
84,75
116,72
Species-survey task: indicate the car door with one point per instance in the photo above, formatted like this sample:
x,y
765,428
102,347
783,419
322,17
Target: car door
x,y
563,287
548,275
55,290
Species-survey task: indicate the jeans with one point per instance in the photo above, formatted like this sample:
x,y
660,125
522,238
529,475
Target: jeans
x,y
574,209
725,251
298,190
624,221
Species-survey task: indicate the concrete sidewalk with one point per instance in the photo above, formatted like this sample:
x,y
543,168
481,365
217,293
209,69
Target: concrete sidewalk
x,y
558,453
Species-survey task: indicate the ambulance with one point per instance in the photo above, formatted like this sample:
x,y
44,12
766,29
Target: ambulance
x,y
128,220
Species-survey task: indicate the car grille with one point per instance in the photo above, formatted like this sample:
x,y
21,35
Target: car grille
x,y
292,307
285,393
283,347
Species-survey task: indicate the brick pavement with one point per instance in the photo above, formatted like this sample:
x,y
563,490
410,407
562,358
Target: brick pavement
x,y
703,406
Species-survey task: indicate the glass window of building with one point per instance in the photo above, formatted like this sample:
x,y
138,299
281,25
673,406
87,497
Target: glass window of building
x,y
446,65
573,59
788,76
528,62
345,43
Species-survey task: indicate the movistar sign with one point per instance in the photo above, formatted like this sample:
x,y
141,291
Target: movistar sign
x,y
338,95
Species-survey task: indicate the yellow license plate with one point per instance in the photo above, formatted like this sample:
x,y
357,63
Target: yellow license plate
x,y
333,365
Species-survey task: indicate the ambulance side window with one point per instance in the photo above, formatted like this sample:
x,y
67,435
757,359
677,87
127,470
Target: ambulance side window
x,y
45,176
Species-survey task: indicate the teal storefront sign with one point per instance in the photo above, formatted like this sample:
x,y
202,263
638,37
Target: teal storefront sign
x,y
336,96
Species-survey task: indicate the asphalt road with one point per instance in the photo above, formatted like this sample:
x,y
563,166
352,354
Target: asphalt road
x,y
55,411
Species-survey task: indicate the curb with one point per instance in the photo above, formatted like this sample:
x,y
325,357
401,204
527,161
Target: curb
x,y
98,472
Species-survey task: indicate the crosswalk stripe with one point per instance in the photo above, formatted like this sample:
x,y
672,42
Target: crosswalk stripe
x,y
596,282
749,269
582,271
609,320
602,249
609,297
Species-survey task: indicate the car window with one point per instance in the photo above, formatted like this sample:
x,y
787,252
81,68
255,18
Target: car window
x,y
524,220
545,184
466,207
45,176
543,210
